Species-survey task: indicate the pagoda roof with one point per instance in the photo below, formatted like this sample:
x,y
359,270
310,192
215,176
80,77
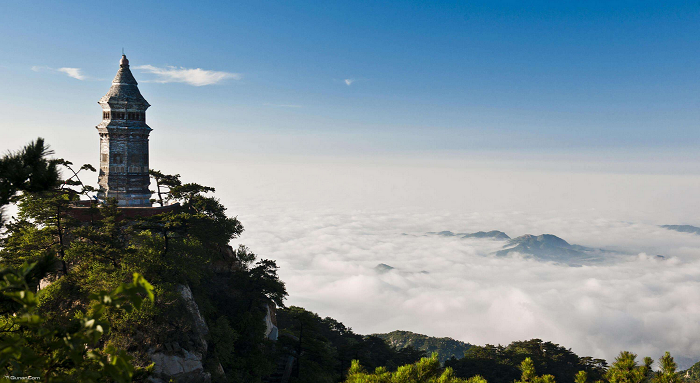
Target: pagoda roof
x,y
124,88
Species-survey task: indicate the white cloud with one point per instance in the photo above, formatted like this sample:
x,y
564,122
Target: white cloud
x,y
349,81
196,77
75,73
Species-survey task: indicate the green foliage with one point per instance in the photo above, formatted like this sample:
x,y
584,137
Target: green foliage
x,y
501,364
240,295
223,338
31,179
427,370
164,183
692,374
188,239
445,347
529,375
27,170
325,347
626,370
667,373
31,345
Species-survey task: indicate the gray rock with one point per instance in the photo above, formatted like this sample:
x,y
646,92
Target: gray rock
x,y
172,361
200,326
181,367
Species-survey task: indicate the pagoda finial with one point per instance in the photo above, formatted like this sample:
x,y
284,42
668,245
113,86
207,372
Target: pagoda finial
x,y
124,61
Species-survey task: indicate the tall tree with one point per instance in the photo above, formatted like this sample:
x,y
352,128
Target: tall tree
x,y
164,184
27,170
626,370
667,373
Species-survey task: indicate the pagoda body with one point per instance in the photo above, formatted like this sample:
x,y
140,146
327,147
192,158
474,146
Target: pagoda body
x,y
124,134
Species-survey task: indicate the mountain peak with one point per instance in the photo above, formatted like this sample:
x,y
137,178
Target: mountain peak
x,y
542,240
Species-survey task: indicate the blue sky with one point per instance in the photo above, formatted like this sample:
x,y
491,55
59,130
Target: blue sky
x,y
425,76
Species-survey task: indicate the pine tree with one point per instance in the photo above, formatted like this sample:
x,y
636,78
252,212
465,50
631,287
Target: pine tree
x,y
668,372
626,370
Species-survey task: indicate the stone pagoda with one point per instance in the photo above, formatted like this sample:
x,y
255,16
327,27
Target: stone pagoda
x,y
124,142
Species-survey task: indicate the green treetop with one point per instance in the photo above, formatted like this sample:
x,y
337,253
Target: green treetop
x,y
427,370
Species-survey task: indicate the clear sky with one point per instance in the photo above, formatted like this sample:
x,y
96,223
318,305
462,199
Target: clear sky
x,y
362,76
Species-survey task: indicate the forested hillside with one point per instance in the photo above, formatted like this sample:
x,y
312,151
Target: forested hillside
x,y
204,318
692,374
445,348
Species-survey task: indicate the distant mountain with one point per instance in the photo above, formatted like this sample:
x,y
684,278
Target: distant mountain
x,y
550,248
445,233
383,268
493,234
683,228
445,347
546,247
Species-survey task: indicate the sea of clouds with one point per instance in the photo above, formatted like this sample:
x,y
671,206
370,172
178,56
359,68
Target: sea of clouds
x,y
638,302
328,225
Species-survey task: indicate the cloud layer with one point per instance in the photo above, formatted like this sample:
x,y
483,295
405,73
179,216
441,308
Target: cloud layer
x,y
196,76
329,222
639,302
